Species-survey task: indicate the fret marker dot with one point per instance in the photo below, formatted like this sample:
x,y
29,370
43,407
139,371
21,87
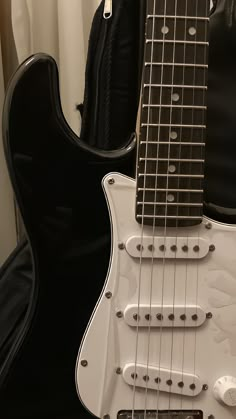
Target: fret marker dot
x,y
165,29
170,197
173,135
175,97
192,31
172,168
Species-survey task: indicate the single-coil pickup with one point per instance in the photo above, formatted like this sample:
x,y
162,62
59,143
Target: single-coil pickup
x,y
160,379
167,247
164,316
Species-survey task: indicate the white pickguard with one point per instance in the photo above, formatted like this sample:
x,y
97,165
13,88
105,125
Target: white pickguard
x,y
208,351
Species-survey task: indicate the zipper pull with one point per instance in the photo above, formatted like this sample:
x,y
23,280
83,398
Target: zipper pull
x,y
107,14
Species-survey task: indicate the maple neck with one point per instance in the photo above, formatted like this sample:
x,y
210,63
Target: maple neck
x,y
170,167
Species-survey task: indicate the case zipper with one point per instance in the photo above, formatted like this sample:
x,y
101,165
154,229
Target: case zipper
x,y
107,13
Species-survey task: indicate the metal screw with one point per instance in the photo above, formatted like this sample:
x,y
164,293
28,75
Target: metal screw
x,y
205,387
121,246
119,371
212,248
111,181
84,363
119,314
209,315
108,295
208,226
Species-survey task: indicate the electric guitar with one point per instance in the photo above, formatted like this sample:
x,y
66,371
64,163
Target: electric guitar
x,y
161,342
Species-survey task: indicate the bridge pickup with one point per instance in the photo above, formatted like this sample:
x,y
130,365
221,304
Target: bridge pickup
x,y
167,247
160,379
164,316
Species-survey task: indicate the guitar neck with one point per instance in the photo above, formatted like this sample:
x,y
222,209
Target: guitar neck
x,y
170,168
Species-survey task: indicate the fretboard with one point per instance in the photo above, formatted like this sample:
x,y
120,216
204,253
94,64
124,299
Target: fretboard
x,y
173,117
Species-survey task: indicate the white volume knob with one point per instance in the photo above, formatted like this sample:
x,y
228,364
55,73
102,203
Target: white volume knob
x,y
225,390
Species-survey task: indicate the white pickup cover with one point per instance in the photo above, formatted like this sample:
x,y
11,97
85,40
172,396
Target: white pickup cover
x,y
161,379
164,316
167,247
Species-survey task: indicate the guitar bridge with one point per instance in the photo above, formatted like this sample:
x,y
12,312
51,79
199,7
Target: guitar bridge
x,y
176,414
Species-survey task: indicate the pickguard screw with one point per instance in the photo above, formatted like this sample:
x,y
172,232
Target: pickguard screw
x,y
212,248
111,181
119,371
209,315
208,226
84,363
205,387
121,246
108,295
119,314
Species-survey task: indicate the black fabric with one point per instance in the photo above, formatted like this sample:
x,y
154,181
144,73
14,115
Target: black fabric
x,y
113,75
220,168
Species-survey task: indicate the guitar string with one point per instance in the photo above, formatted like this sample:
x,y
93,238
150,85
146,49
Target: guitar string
x,y
203,136
153,229
154,214
167,193
143,204
185,276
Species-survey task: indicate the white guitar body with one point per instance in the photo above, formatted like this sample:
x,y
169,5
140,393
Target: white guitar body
x,y
194,352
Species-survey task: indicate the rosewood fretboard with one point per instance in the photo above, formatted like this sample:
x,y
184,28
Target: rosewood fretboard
x,y
173,118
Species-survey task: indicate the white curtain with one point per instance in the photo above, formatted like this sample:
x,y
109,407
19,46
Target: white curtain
x,y
60,28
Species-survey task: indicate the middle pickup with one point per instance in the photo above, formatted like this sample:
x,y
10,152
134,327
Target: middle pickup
x,y
164,316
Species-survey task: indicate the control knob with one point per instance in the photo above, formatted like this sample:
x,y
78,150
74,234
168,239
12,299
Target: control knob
x,y
225,390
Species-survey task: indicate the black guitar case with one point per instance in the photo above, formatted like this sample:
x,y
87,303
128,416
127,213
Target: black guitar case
x,y
49,285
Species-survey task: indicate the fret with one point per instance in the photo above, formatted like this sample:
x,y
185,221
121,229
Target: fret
x,y
172,160
174,106
173,125
183,86
174,41
164,115
171,190
196,18
170,175
176,64
171,216
175,52
172,204
170,143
